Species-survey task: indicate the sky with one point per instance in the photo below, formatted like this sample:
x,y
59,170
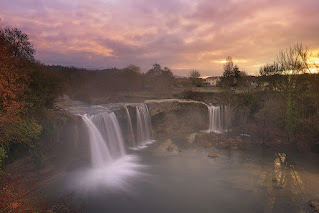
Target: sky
x,y
179,34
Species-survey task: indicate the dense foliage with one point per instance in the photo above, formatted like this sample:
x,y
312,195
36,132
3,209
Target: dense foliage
x,y
114,85
27,92
284,106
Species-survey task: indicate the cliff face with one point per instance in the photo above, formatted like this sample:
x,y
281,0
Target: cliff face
x,y
174,117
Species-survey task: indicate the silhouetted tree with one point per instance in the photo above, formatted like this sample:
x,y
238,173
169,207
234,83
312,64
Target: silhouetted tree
x,y
194,78
16,43
283,76
160,80
231,75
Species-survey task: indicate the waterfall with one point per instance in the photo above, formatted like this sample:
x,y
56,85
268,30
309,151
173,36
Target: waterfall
x,y
130,125
143,125
111,167
217,118
105,137
100,154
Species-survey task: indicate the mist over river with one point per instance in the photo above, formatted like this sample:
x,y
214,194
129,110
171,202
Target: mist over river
x,y
185,179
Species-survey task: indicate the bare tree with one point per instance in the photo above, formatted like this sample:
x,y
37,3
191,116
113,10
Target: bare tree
x,y
283,76
194,74
292,61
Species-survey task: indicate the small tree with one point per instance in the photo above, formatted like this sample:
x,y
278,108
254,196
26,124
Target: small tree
x,y
231,75
194,78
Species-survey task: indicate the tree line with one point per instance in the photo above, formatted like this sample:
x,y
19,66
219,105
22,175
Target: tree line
x,y
284,107
27,93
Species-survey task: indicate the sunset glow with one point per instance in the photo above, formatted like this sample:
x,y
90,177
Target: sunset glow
x,y
193,35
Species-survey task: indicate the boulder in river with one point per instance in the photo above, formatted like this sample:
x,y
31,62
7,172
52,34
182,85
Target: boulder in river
x,y
190,138
169,146
314,204
213,155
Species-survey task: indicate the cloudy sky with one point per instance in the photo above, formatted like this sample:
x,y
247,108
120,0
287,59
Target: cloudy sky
x,y
179,34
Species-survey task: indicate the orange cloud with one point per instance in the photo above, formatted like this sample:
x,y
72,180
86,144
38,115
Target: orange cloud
x,y
183,35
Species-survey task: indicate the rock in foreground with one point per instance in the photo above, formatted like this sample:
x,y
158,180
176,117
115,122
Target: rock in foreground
x,y
207,140
169,146
213,155
314,204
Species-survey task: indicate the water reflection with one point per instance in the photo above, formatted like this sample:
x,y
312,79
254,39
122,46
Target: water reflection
x,y
284,186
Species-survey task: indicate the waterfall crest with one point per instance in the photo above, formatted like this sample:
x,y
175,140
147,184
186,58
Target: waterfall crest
x,y
143,125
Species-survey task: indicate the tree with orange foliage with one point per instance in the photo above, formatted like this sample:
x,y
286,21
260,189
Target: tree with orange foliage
x,y
13,85
12,90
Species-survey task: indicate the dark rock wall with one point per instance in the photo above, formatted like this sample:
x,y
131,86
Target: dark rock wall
x,y
175,117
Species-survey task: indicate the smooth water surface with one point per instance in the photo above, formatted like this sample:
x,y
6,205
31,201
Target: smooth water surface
x,y
256,180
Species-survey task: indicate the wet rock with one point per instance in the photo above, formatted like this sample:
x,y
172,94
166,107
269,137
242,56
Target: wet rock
x,y
213,155
230,143
234,147
314,204
190,139
223,145
164,145
206,144
169,146
173,148
206,139
176,117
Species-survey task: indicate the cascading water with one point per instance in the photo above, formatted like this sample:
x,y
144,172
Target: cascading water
x,y
109,128
130,125
143,125
100,154
111,166
217,118
105,137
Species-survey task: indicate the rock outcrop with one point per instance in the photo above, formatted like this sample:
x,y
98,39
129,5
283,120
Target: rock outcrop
x,y
207,140
168,146
190,138
175,117
314,204
213,155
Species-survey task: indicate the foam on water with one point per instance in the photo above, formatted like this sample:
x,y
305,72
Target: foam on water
x,y
111,167
117,176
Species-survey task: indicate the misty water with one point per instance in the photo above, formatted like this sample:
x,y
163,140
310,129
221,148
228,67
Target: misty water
x,y
146,179
254,181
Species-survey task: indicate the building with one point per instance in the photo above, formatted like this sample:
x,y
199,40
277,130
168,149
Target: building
x,y
212,81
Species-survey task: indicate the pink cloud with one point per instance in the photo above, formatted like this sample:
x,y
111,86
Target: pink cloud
x,y
176,33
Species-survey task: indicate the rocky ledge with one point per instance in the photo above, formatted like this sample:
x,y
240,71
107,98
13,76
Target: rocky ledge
x,y
175,117
207,140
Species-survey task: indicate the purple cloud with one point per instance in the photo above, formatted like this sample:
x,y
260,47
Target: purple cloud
x,y
181,34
